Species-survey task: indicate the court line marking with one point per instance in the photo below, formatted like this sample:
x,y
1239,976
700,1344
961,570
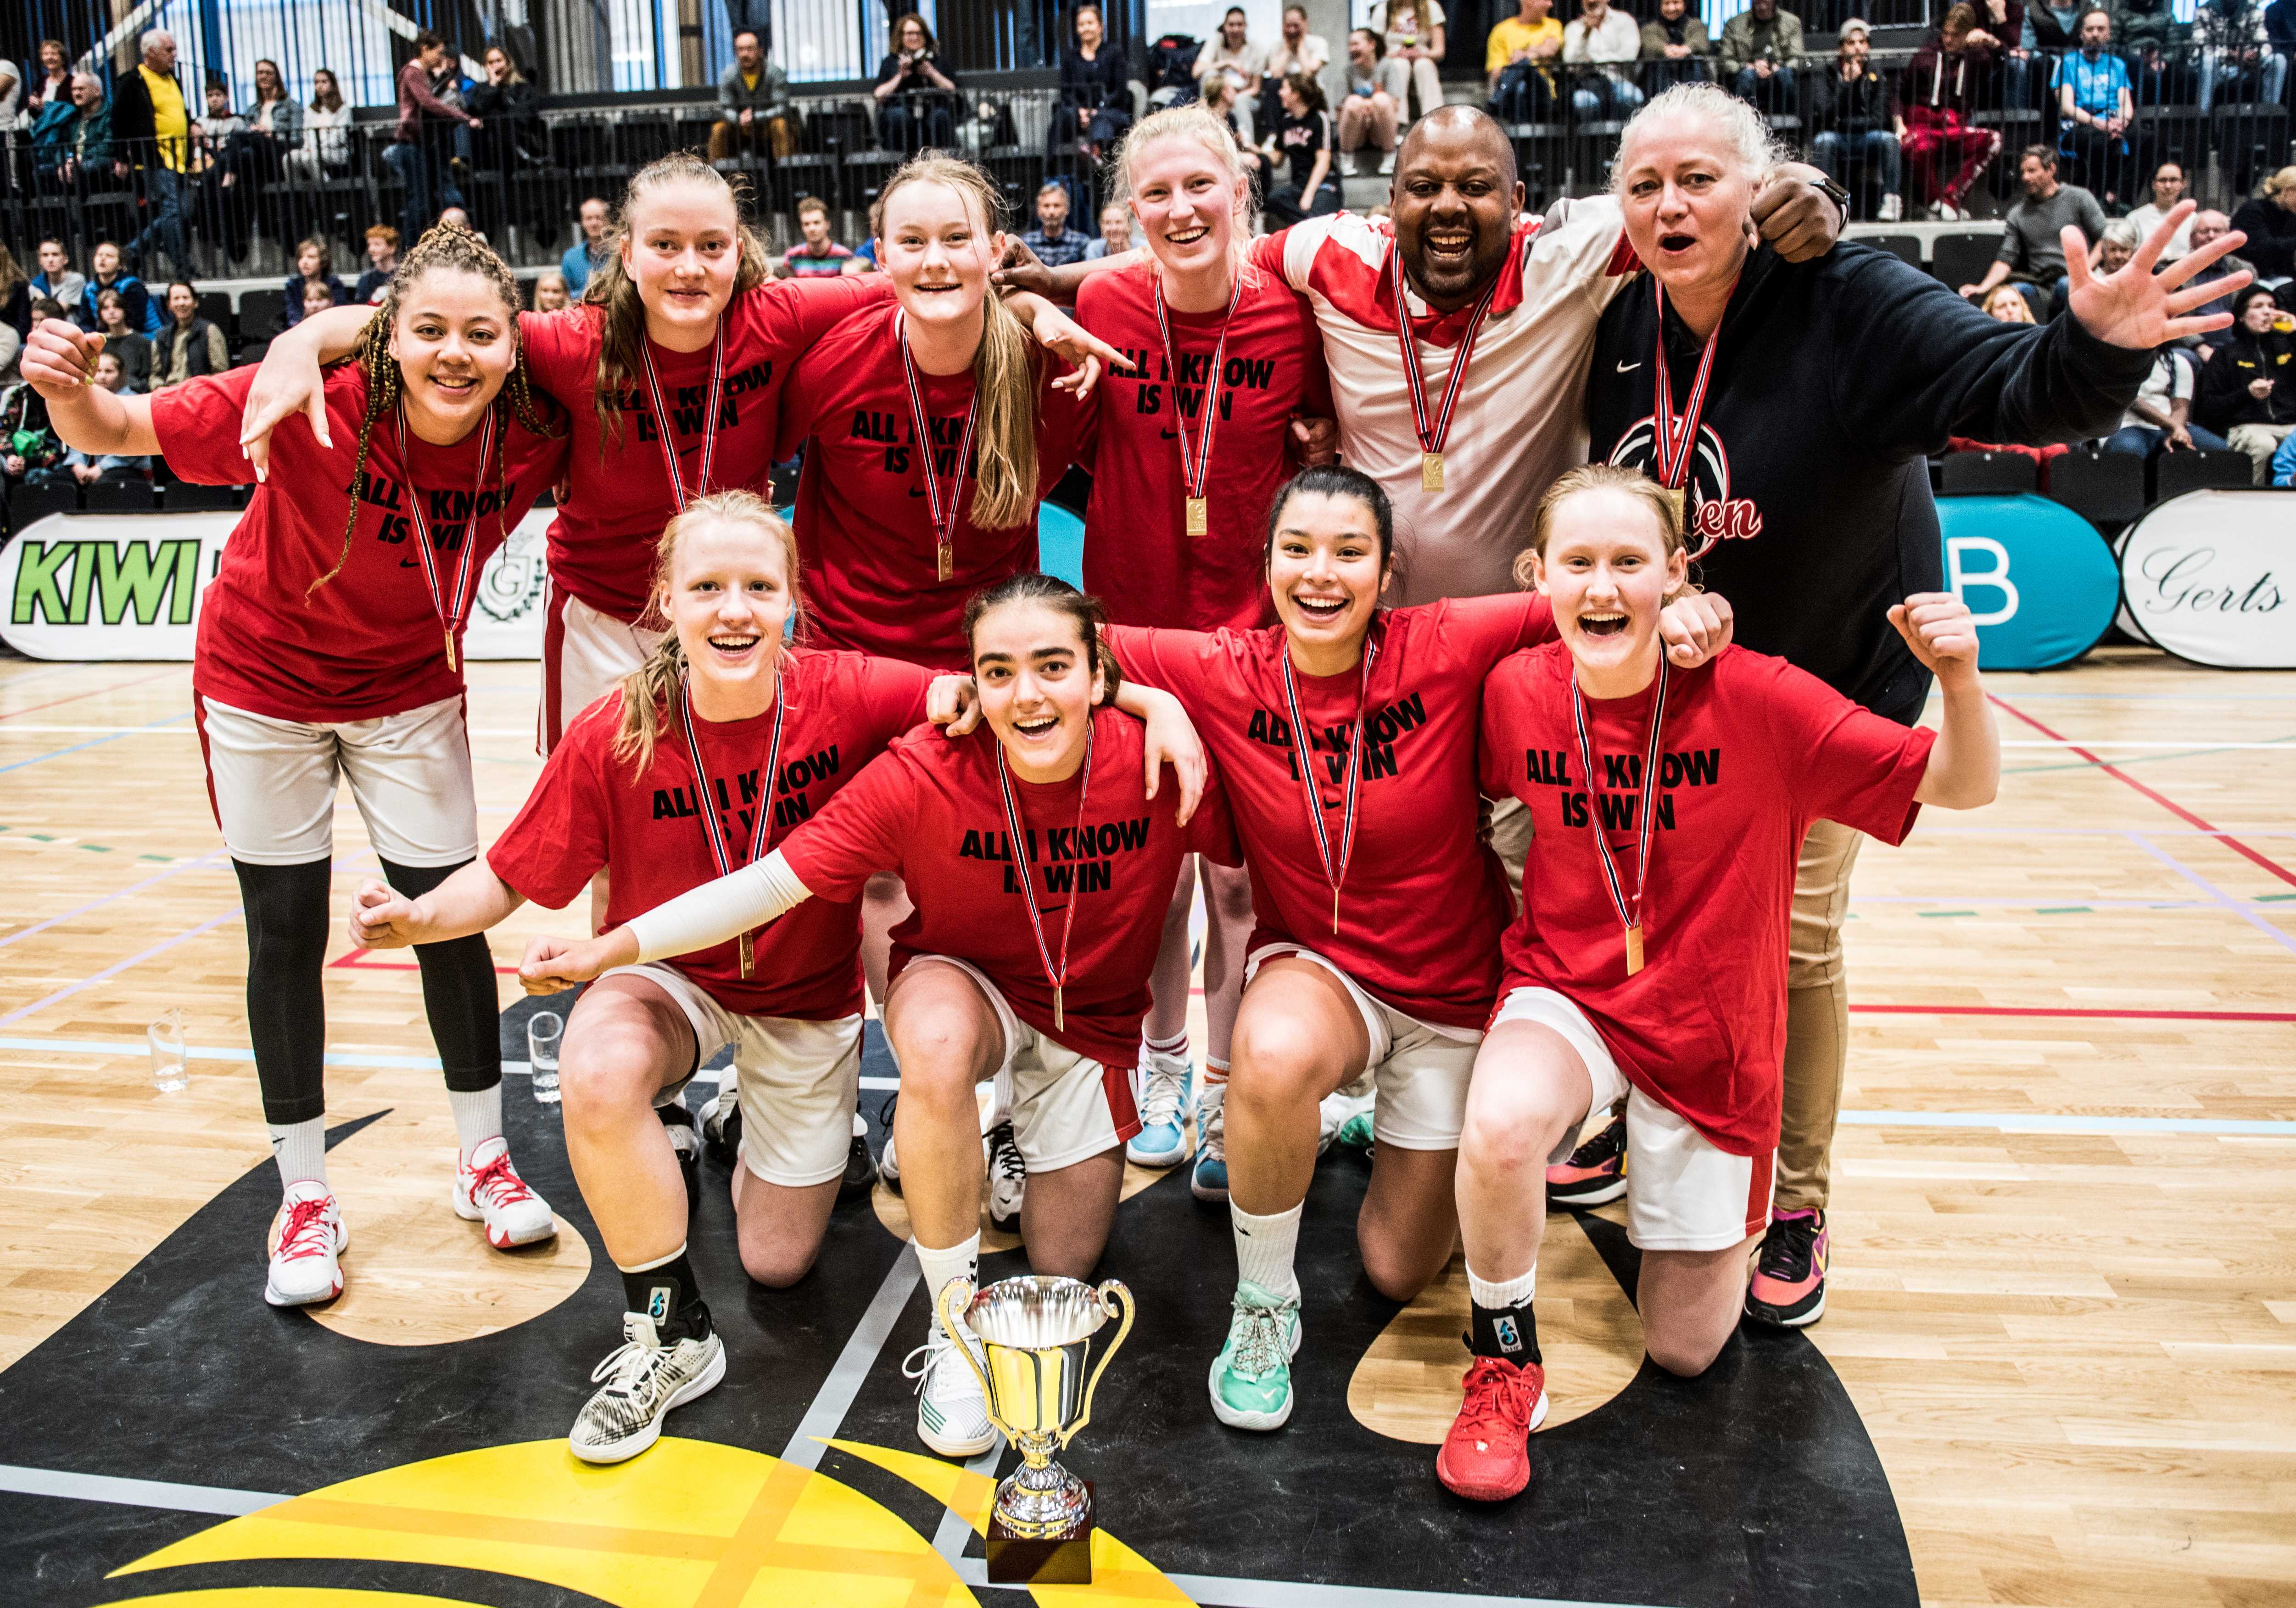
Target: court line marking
x,y
1230,1591
2046,1123
118,966
117,686
827,1413
78,748
2253,917
136,1493
2081,1014
209,858
2162,799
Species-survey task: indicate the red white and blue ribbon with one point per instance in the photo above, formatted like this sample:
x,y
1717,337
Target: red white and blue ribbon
x,y
1335,875
1023,869
1630,914
1196,473
943,515
761,829
1677,435
677,492
1432,434
453,607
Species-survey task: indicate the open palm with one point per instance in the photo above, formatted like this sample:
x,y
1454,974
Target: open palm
x,y
2139,308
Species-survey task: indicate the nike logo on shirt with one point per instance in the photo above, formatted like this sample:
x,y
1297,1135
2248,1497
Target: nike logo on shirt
x,y
1623,367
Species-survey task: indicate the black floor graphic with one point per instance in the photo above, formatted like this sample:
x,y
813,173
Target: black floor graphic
x,y
1754,1484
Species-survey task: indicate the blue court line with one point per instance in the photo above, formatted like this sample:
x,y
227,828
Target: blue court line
x,y
2253,917
93,742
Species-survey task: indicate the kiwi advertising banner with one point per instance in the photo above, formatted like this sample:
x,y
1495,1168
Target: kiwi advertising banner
x,y
2211,576
128,586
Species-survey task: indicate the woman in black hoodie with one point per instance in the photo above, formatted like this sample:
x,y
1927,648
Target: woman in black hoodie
x,y
2248,388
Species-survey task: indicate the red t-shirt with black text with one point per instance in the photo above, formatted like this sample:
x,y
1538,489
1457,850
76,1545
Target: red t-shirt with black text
x,y
591,811
1753,752
1424,901
371,641
619,495
864,522
932,812
1139,558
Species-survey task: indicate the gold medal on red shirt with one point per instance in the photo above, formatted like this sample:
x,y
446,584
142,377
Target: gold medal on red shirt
x,y
1630,912
945,515
677,492
1022,873
453,608
761,829
1674,437
1436,428
1195,471
1336,875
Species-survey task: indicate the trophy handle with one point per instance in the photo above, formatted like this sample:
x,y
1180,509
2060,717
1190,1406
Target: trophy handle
x,y
950,1318
1110,1295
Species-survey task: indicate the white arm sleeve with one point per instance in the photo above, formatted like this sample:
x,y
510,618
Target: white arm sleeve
x,y
717,911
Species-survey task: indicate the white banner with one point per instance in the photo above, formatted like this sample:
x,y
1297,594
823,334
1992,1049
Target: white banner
x,y
2211,576
128,586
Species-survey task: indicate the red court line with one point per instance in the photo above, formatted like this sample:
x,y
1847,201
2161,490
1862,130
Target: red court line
x,y
1919,1010
2171,805
354,959
116,686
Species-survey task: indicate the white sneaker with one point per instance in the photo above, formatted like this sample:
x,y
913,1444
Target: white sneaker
x,y
1386,163
1008,1178
1168,1083
889,1166
1892,208
952,1416
311,1237
1947,213
488,1189
642,1379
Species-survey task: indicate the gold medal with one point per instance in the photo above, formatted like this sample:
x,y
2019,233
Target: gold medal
x,y
452,668
1679,497
947,564
1431,471
1634,948
1200,521
749,957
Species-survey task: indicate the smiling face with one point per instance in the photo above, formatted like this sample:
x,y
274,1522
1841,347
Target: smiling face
x,y
1607,573
1359,48
1186,202
454,341
728,598
1233,30
182,303
1326,571
682,253
51,56
1116,226
1453,204
379,250
913,36
595,219
938,250
1290,98
1053,208
549,293
266,80
1037,686
1688,202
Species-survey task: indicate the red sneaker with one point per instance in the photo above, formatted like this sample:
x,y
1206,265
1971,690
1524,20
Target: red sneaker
x,y
1487,1456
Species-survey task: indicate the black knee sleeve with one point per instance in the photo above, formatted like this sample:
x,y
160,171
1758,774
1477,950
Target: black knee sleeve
x,y
286,909
458,990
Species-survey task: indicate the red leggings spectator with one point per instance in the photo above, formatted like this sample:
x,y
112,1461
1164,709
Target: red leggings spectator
x,y
1936,138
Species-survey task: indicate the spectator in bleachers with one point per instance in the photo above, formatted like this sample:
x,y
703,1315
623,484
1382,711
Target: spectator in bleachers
x,y
1761,46
588,253
313,265
256,158
2032,251
507,111
1219,100
53,82
2052,29
133,346
316,297
187,345
915,98
815,255
57,278
2284,462
550,293
2161,418
2268,219
1676,44
2006,304
27,444
424,122
1935,100
15,295
151,133
1604,41
326,123
753,104
2095,108
110,276
1368,116
223,213
1095,104
12,93
2117,245
1115,233
1231,57
1301,140
1054,243
1295,50
78,467
2237,60
2168,190
73,135
1519,61
2248,388
1853,110
1413,33
2207,225
381,263
2280,29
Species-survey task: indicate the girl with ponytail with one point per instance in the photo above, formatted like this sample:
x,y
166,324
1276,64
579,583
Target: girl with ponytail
x,y
330,644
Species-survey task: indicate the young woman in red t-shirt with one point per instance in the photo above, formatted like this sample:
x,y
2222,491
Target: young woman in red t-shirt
x,y
325,651
1039,878
1182,472
1648,965
1345,735
721,712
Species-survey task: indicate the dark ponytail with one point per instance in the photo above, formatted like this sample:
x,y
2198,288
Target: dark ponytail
x,y
1084,611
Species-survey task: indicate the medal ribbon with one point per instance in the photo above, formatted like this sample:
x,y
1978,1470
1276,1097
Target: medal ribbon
x,y
710,433
454,608
1677,437
1630,916
1197,474
944,516
1019,842
1300,746
761,831
1432,439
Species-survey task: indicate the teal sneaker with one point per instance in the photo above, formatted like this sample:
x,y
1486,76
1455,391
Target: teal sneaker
x,y
1355,1133
1210,1180
1344,1119
1251,1377
1162,1140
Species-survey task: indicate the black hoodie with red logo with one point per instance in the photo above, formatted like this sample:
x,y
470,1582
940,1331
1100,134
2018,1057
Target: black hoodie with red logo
x,y
1833,381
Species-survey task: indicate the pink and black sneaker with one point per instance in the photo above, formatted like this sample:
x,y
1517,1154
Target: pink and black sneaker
x,y
1596,1172
1788,1289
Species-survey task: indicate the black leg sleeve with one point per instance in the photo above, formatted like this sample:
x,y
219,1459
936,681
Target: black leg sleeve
x,y
458,990
286,908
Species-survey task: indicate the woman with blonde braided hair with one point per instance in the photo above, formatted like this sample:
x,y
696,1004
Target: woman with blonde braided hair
x,y
329,645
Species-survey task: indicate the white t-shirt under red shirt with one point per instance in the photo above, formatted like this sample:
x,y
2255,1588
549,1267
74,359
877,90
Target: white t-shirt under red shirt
x,y
1423,902
1139,558
370,643
1520,417
1753,752
592,811
931,811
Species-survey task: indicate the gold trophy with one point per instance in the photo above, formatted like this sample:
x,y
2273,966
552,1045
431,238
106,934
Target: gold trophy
x,y
1036,1333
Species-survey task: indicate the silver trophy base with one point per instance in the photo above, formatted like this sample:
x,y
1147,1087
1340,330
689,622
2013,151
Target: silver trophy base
x,y
1062,1557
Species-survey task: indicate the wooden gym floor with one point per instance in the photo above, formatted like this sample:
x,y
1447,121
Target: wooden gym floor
x,y
2064,1301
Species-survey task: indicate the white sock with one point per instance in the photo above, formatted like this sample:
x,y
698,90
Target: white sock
x,y
1173,1048
1495,1295
301,1149
958,1261
478,1117
1265,1249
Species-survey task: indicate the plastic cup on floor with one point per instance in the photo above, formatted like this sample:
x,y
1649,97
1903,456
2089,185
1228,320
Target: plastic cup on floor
x,y
543,1029
170,1059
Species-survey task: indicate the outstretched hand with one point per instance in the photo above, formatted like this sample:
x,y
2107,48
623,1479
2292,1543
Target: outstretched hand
x,y
287,382
2139,308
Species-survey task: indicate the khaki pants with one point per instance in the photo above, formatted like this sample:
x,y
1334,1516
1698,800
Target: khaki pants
x,y
772,133
2259,442
1817,1017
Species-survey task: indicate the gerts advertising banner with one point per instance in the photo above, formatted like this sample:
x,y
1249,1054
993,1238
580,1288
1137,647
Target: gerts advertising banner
x,y
128,586
2208,576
